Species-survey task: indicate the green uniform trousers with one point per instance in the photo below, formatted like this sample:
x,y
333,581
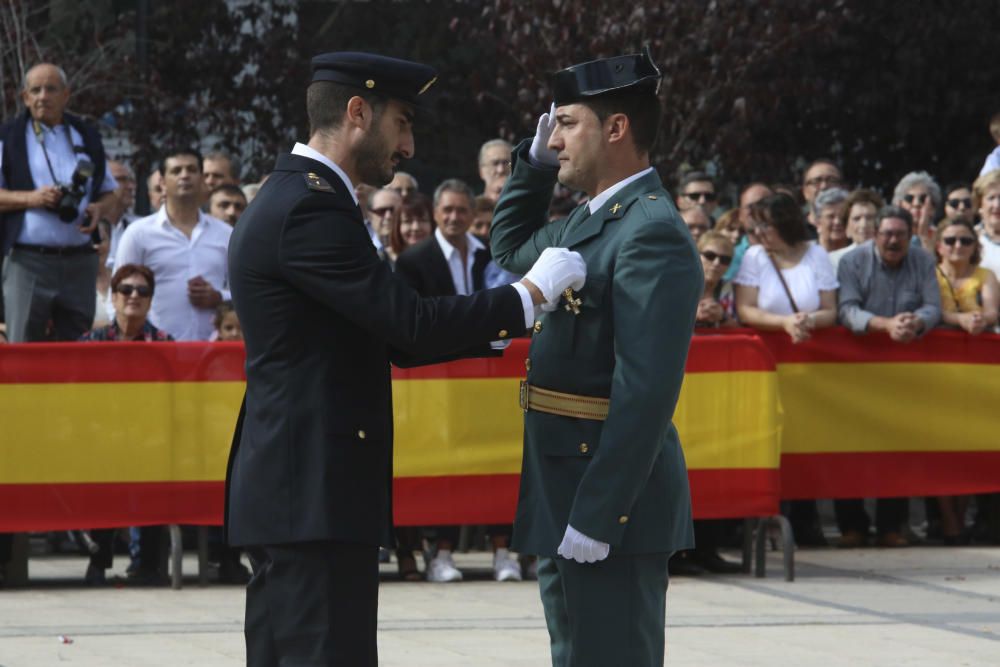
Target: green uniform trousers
x,y
606,614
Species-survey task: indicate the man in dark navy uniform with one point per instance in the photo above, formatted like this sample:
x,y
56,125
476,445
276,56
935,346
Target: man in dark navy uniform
x,y
310,473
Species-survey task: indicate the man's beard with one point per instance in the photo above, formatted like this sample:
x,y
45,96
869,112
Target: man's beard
x,y
372,154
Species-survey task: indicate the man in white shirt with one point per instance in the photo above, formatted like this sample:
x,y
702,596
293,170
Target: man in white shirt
x,y
186,250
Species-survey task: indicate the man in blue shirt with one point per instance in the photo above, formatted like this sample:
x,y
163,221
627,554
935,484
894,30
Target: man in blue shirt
x,y
50,272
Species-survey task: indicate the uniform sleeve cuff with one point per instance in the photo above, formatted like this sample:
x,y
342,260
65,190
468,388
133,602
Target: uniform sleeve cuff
x,y
526,303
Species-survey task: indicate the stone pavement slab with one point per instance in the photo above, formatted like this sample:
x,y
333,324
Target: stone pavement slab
x,y
915,607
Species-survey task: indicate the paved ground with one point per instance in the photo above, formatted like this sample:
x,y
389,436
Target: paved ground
x,y
918,606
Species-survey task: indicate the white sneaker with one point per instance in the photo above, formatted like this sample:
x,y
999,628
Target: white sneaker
x,y
505,567
442,568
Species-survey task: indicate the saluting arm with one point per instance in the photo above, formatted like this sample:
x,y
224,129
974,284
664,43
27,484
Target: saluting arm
x,y
521,229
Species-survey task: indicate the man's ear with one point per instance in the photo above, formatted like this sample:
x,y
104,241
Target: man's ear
x,y
359,113
616,127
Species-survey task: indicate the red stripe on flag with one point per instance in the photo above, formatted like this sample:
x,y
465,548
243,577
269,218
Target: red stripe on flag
x,y
888,474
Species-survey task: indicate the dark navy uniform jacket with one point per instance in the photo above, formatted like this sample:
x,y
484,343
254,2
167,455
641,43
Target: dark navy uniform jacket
x,y
322,318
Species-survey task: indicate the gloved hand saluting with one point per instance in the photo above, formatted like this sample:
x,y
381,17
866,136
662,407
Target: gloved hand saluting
x,y
555,270
540,154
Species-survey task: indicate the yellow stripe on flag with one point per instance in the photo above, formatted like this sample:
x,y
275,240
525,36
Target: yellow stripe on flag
x,y
889,407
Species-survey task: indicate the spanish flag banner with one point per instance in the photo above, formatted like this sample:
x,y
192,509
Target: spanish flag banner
x,y
99,435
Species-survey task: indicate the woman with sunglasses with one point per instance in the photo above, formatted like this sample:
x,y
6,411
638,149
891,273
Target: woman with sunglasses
x,y
132,295
970,294
717,307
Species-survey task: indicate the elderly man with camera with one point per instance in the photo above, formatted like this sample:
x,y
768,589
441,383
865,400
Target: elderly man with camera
x,y
55,187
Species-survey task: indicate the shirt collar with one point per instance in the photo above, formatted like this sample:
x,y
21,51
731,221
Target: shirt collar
x,y
163,219
310,152
448,249
597,202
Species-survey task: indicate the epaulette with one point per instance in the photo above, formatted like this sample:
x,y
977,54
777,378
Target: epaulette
x,y
316,182
657,206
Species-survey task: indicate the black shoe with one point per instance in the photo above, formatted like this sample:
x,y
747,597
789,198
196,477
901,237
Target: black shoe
x,y
234,572
713,562
683,565
143,577
95,576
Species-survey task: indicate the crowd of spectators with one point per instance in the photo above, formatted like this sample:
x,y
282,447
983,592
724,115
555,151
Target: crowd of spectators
x,y
80,264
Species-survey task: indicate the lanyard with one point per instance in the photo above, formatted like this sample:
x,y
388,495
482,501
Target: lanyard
x,y
41,141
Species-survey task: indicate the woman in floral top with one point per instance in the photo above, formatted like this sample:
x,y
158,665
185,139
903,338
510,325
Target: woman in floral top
x,y
132,294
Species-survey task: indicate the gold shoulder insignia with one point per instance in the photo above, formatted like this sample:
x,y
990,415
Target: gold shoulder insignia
x,y
316,182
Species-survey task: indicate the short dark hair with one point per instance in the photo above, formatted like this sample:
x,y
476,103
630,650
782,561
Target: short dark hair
x,y
175,151
784,215
951,187
229,189
892,211
326,103
818,161
695,177
128,270
642,109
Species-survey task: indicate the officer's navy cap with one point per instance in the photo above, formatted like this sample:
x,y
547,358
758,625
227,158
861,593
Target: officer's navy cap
x,y
597,77
401,80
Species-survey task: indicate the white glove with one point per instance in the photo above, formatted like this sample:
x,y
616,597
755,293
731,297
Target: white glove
x,y
540,154
577,546
555,270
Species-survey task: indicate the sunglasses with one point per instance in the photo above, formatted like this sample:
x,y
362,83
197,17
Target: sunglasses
x,y
915,199
382,211
700,196
725,260
823,180
960,203
964,241
140,290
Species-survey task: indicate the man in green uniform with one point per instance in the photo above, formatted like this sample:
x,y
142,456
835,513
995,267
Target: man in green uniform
x,y
604,497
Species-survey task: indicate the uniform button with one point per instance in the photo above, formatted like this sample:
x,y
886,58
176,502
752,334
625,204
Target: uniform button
x,y
538,326
361,435
584,448
623,519
503,333
527,364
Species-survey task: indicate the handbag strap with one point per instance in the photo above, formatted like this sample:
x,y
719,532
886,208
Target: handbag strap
x,y
951,288
788,292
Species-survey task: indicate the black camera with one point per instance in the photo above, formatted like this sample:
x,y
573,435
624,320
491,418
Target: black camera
x,y
68,207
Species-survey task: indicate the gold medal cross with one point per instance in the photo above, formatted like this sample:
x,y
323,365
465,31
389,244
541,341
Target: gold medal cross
x,y
573,302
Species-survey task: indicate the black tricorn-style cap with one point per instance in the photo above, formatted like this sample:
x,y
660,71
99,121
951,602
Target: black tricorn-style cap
x,y
394,78
598,77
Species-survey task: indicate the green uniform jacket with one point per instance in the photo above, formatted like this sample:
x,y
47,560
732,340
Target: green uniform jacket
x,y
622,481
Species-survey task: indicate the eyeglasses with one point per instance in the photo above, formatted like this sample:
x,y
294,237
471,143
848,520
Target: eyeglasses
x,y
496,164
699,196
916,199
725,260
140,290
964,241
960,203
382,211
823,180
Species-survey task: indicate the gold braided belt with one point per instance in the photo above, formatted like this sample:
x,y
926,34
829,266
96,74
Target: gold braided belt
x,y
558,403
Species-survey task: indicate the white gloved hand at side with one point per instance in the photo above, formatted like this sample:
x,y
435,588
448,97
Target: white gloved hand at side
x,y
540,154
555,270
577,546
